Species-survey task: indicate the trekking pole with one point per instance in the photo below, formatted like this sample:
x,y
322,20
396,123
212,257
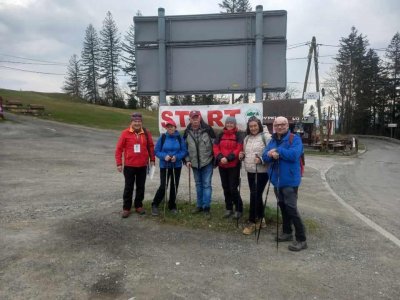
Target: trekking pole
x,y
255,202
277,211
240,184
265,202
166,188
190,188
174,179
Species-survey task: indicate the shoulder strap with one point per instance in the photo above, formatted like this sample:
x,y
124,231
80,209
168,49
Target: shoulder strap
x,y
147,140
180,142
291,137
163,137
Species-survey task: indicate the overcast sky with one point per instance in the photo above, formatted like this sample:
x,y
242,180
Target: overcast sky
x,y
37,32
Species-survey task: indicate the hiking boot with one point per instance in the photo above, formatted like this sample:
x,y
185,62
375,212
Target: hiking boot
x,y
197,210
174,211
263,224
126,213
237,215
207,213
227,214
140,210
249,229
298,246
284,237
154,211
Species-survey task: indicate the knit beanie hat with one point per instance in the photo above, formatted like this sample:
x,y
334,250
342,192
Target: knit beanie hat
x,y
231,120
136,117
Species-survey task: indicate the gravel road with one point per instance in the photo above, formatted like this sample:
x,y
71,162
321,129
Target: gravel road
x,y
61,235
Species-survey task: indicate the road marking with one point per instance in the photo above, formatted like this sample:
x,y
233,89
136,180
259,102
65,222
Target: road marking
x,y
363,218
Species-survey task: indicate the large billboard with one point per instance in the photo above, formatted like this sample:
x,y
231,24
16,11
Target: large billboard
x,y
214,53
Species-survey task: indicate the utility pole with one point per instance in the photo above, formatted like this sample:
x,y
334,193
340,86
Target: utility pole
x,y
321,132
313,49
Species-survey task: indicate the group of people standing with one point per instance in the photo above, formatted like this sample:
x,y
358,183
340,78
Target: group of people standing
x,y
264,157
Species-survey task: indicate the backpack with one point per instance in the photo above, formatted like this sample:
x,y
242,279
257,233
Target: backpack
x,y
302,158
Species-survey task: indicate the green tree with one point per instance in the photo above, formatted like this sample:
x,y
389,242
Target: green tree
x,y
110,65
129,49
393,68
73,81
235,6
90,62
351,58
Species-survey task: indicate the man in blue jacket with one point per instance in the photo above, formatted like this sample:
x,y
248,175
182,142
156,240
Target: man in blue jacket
x,y
283,152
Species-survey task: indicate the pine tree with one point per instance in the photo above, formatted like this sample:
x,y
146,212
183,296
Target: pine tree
x,y
350,59
90,65
128,47
393,68
235,6
130,65
110,66
73,81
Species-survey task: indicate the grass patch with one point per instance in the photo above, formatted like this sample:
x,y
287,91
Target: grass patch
x,y
63,108
216,223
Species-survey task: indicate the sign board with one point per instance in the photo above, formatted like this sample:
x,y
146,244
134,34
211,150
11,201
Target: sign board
x,y
311,95
392,125
213,115
211,54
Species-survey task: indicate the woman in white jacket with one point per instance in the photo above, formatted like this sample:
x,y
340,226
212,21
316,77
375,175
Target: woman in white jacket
x,y
253,145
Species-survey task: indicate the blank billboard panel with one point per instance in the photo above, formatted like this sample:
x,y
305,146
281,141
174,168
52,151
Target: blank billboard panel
x,y
210,53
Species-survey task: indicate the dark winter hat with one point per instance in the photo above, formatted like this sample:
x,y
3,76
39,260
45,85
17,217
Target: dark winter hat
x,y
136,117
230,120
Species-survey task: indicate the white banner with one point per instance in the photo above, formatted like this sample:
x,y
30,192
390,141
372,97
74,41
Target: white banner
x,y
213,115
311,95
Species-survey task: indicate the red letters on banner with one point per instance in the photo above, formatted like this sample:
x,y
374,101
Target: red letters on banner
x,y
213,118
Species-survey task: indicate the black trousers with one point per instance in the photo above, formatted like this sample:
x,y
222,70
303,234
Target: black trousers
x,y
173,184
131,175
230,178
287,201
256,191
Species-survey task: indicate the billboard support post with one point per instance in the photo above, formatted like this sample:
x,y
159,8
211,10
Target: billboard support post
x,y
162,62
259,48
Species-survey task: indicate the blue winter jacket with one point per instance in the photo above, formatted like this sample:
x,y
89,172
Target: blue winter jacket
x,y
289,161
171,147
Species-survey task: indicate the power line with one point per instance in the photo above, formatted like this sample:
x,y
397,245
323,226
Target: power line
x,y
30,63
32,59
29,71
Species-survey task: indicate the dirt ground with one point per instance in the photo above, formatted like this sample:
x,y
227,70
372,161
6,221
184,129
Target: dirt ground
x,y
61,235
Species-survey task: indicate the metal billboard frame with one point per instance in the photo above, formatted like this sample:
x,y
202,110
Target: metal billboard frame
x,y
211,54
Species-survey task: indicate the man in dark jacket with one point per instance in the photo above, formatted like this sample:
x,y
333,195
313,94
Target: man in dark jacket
x,y
283,152
199,138
136,145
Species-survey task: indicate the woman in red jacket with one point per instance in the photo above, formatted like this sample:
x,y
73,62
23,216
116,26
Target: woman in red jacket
x,y
136,143
226,151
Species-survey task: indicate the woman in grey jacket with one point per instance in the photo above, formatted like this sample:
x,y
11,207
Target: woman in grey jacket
x,y
254,143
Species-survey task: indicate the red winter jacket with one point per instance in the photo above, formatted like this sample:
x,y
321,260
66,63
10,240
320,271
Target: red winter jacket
x,y
228,146
126,144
